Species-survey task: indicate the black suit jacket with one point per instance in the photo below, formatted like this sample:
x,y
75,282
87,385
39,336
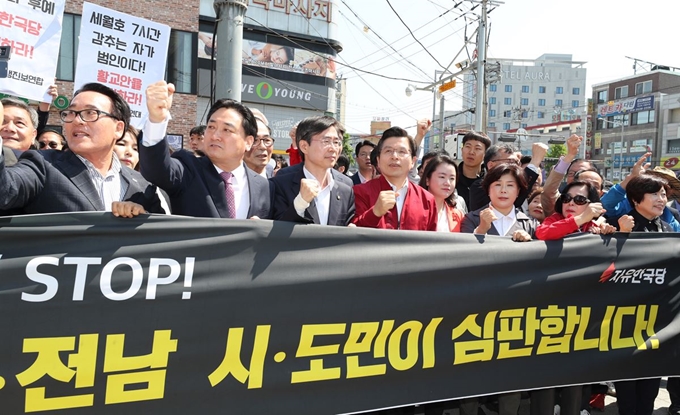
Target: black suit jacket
x,y
287,186
356,179
55,181
194,186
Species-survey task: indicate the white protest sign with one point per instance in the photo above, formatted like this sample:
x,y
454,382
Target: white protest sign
x,y
124,52
33,30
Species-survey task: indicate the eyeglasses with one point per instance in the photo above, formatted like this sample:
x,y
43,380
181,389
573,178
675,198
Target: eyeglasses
x,y
51,144
578,199
267,142
88,115
399,152
508,161
327,142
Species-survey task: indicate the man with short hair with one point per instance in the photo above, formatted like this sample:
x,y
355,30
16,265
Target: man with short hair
x,y
505,153
196,136
257,158
218,185
342,165
362,152
89,177
19,125
474,147
592,177
391,201
312,191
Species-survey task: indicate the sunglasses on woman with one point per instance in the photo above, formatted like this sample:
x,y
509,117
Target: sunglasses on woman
x,y
578,199
51,144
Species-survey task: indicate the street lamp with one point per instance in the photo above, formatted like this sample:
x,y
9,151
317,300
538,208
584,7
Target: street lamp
x,y
623,123
410,88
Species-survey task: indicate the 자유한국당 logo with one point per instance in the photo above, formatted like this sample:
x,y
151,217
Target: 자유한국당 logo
x,y
634,275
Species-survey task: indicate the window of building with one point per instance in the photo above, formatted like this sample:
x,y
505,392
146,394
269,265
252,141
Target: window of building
x,y
492,88
642,117
507,114
492,113
558,102
182,61
491,125
68,49
540,114
525,114
506,125
525,88
525,101
507,101
541,90
621,92
559,90
673,146
602,97
508,88
643,87
574,104
492,100
524,125
575,91
601,125
618,119
541,102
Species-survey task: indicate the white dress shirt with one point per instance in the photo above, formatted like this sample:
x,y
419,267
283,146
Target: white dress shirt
x,y
111,188
239,183
322,199
401,196
504,223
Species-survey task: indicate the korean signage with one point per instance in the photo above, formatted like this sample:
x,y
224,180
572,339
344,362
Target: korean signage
x,y
274,56
146,320
628,161
310,9
124,52
628,105
598,140
284,93
672,163
33,30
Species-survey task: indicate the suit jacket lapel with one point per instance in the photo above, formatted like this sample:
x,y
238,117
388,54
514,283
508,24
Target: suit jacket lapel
x,y
311,212
215,186
77,172
334,205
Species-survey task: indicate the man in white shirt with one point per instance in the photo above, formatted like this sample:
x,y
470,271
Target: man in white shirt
x,y
257,158
218,185
312,191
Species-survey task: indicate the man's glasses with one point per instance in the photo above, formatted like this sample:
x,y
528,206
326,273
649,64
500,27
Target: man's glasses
x,y
88,115
327,142
52,144
267,142
578,199
506,161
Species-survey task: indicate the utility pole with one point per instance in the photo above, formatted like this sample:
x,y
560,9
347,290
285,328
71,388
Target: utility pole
x,y
228,46
480,111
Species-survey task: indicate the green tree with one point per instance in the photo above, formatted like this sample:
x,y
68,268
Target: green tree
x,y
554,153
347,149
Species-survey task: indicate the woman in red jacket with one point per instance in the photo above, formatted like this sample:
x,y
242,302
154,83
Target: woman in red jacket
x,y
439,178
574,212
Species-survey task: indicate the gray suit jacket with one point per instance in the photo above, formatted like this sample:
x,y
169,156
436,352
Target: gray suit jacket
x,y
194,186
55,181
523,222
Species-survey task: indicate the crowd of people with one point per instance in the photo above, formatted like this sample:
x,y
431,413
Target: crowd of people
x,y
101,163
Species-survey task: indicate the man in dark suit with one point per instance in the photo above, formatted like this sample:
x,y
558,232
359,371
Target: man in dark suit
x,y
313,191
218,185
89,177
362,153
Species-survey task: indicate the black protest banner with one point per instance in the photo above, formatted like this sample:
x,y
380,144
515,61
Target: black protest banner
x,y
170,315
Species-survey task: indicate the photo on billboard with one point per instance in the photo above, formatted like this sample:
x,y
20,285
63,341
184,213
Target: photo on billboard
x,y
274,56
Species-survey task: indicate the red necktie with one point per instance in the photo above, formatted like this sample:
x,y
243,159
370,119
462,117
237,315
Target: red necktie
x,y
229,193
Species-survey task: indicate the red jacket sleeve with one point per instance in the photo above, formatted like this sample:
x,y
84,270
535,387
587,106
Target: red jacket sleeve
x,y
555,227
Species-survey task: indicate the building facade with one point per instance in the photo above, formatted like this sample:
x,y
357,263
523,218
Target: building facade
x,y
545,90
634,115
288,59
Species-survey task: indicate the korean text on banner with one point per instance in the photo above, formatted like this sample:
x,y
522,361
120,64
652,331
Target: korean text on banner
x,y
124,52
33,30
